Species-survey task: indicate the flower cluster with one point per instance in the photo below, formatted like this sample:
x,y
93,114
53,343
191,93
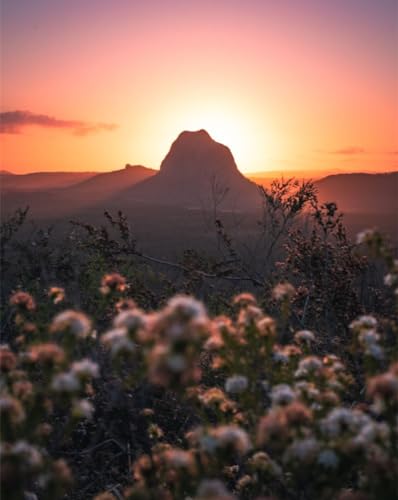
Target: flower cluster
x,y
264,418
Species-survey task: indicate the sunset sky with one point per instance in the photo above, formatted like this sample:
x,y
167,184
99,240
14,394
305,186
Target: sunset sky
x,y
287,84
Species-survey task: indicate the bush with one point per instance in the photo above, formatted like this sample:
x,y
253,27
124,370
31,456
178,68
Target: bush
x,y
175,403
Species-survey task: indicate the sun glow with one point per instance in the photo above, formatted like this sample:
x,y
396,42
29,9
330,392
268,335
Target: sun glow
x,y
233,129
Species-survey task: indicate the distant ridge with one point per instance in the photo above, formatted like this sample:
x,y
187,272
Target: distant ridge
x,y
361,193
105,185
38,181
198,172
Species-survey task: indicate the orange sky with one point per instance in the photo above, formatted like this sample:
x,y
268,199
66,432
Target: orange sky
x,y
297,85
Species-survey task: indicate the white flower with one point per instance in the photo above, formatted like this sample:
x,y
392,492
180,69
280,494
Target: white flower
x,y
186,306
131,319
230,436
307,366
304,336
65,382
341,420
212,489
303,450
282,394
117,341
72,321
30,454
236,384
365,322
328,459
365,236
85,368
82,409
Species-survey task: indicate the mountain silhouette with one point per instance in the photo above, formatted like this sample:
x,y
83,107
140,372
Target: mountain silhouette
x,y
361,193
38,181
198,172
105,185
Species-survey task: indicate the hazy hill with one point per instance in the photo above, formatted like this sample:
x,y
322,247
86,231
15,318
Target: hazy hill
x,y
59,202
197,172
105,185
361,193
38,181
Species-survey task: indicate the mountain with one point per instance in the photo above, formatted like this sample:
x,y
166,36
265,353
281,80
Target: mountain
x,y
6,172
38,181
94,191
361,193
105,185
197,172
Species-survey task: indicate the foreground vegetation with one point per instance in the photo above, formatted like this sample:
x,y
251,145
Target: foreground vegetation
x,y
123,385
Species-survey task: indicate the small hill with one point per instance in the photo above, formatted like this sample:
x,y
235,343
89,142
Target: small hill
x,y
105,185
361,193
38,181
198,172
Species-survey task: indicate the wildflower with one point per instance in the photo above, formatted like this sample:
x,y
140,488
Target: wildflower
x,y
65,382
62,472
365,322
297,414
113,282
56,294
12,410
384,387
30,454
304,337
82,408
230,437
283,354
244,299
155,432
22,389
214,342
370,432
131,319
73,322
249,315
47,353
266,327
23,301
85,368
304,450
328,459
8,360
236,384
243,482
118,342
366,236
310,365
186,307
261,461
125,304
212,489
282,394
216,397
179,459
283,291
272,427
341,420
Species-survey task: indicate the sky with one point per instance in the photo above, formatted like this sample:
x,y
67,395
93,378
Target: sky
x,y
91,85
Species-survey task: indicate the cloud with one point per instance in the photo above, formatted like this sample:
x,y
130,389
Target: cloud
x,y
351,150
12,122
